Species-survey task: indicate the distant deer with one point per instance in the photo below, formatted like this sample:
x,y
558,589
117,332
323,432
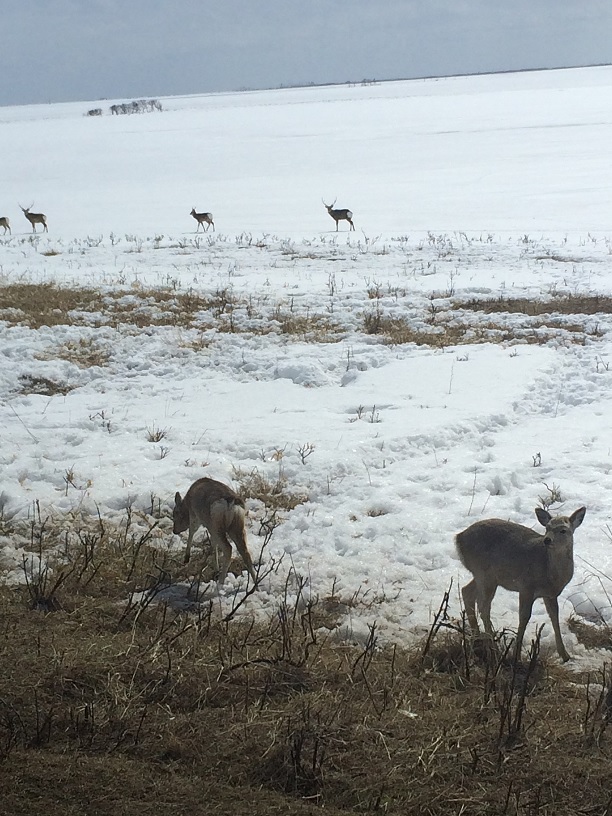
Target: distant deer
x,y
215,506
202,218
339,215
502,553
4,222
34,218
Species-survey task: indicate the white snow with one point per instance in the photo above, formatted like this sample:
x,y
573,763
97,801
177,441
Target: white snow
x,y
468,187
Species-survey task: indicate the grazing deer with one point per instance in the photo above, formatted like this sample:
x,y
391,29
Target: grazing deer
x,y
215,506
4,222
203,217
502,553
34,218
339,215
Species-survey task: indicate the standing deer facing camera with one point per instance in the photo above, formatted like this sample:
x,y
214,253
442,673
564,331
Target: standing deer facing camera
x,y
4,222
203,218
214,505
339,215
34,218
502,553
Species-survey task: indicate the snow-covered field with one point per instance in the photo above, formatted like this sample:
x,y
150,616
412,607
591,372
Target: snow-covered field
x,y
461,188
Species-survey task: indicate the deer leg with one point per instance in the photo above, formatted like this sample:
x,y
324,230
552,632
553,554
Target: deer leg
x,y
220,542
552,607
469,601
485,594
192,528
237,535
525,607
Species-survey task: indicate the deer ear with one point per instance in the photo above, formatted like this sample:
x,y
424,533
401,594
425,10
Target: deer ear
x,y
577,517
177,499
543,516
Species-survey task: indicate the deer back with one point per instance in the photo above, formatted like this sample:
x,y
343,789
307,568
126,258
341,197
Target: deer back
x,y
203,216
33,218
207,502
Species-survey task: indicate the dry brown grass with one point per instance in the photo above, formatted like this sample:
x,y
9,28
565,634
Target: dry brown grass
x,y
33,384
37,305
48,304
115,708
274,493
311,328
45,304
84,352
445,326
397,331
449,324
590,635
560,304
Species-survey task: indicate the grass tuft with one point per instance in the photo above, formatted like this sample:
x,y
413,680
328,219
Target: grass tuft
x,y
33,384
273,493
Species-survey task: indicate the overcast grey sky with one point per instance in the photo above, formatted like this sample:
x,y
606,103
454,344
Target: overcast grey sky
x,y
62,50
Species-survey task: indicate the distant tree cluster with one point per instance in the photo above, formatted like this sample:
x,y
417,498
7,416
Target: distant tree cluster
x,y
136,106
